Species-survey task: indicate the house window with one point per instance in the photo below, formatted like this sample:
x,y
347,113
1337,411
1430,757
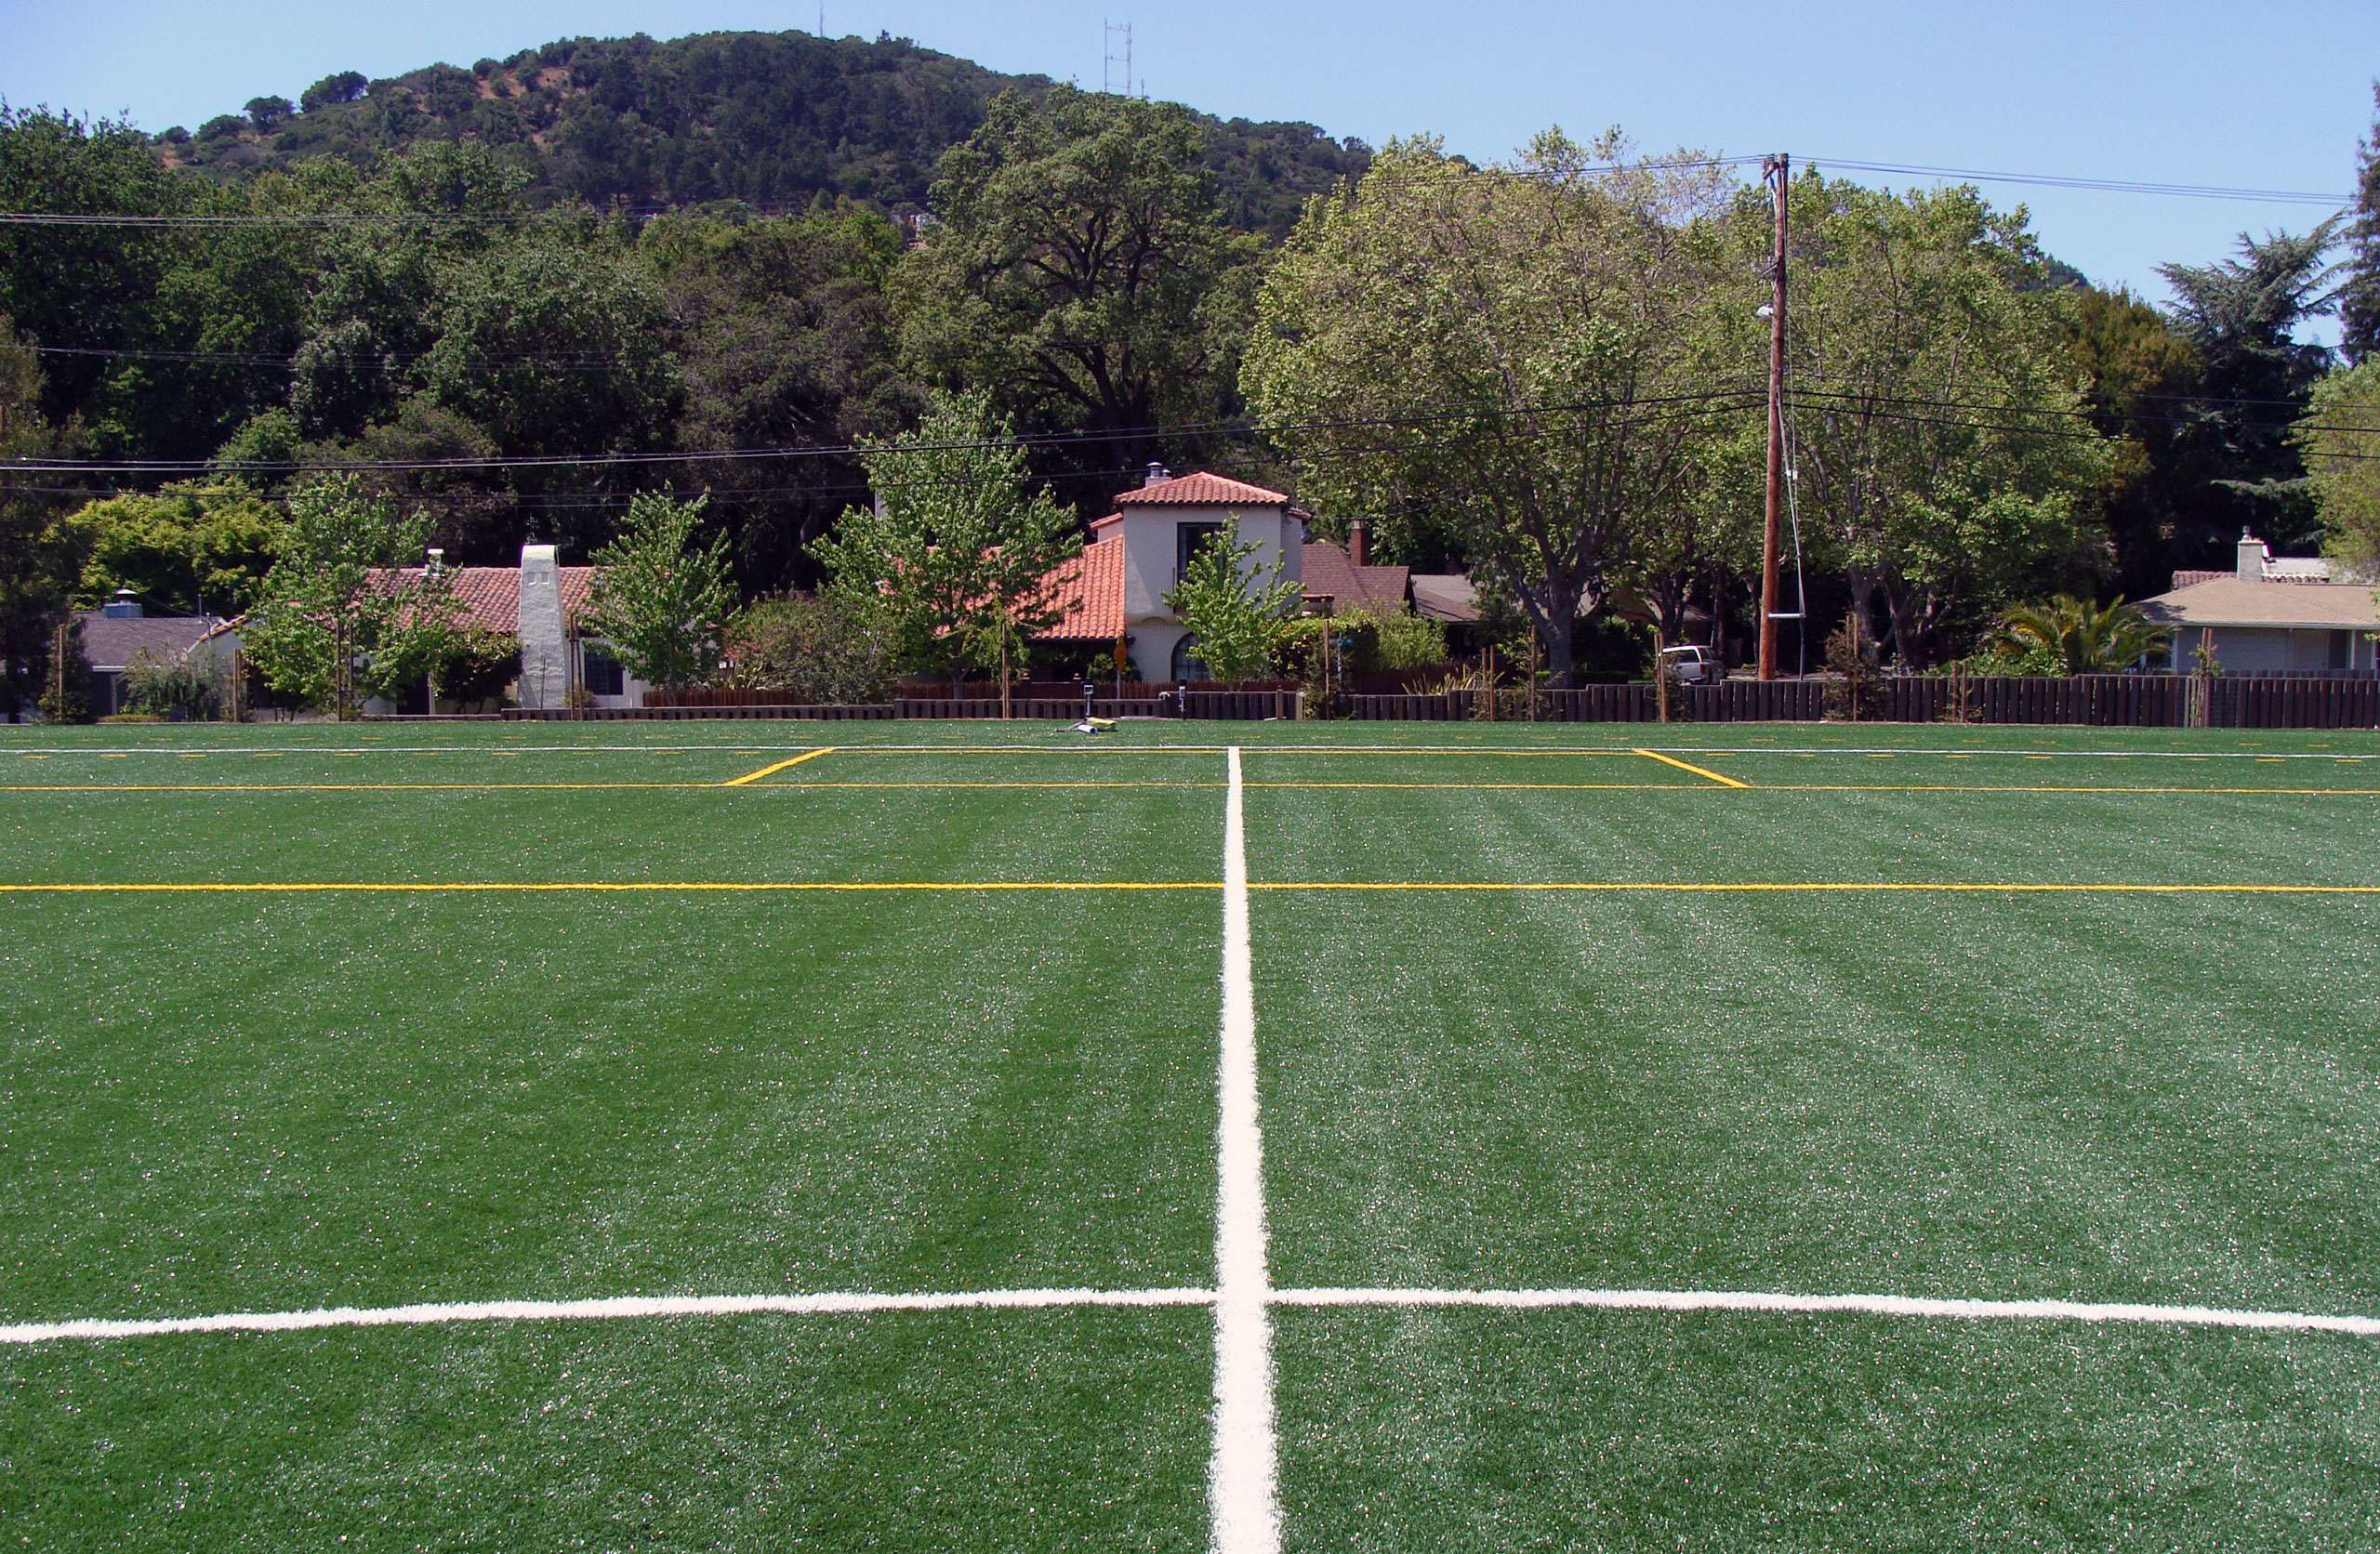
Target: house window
x,y
1188,540
2342,649
601,674
1187,665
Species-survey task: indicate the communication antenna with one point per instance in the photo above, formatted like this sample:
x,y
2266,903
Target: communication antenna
x,y
1110,59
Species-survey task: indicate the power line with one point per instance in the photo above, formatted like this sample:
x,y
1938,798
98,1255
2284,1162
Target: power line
x,y
1441,411
2103,186
1860,397
765,210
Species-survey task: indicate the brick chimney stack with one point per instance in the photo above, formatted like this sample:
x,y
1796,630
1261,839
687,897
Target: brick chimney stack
x,y
1359,542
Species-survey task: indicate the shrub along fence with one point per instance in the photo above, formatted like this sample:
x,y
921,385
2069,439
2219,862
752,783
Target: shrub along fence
x,y
2108,701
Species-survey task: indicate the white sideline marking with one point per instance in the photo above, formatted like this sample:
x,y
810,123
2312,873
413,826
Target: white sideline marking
x,y
1243,1496
606,1308
1756,1302
1863,1304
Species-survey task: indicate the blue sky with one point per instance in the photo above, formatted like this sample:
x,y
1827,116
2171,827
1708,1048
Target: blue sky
x,y
2180,92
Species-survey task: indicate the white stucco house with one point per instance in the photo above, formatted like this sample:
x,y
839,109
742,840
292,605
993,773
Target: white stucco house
x,y
539,603
1111,597
2294,616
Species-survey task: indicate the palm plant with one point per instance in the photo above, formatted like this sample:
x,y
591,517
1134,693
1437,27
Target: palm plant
x,y
2087,639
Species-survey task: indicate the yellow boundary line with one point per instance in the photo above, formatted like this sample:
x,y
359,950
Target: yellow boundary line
x,y
1682,766
1450,886
750,777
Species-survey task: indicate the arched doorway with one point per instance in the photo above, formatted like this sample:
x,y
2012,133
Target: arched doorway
x,y
1187,665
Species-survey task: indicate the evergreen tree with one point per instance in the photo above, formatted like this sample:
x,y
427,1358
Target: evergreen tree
x,y
2359,296
2241,317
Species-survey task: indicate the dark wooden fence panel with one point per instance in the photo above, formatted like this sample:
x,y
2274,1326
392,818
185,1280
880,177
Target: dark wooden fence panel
x,y
2111,701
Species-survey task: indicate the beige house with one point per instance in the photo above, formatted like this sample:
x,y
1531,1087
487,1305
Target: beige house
x,y
2272,615
1112,595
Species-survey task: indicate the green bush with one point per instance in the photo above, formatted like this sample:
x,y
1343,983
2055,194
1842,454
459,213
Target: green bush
x,y
477,667
831,650
189,688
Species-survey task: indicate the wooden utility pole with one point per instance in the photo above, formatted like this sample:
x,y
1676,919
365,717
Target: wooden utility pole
x,y
1776,169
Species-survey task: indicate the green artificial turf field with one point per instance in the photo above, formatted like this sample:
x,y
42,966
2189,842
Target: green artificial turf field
x,y
746,1133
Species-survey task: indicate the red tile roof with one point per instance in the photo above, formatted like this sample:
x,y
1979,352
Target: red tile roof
x,y
1091,588
491,595
1202,490
1329,574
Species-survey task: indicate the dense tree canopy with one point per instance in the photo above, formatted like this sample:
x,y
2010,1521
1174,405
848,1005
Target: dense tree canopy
x,y
1080,266
1517,357
1944,466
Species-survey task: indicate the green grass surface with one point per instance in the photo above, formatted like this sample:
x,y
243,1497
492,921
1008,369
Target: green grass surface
x,y
1024,1430
261,1100
332,1101
2004,1099
1478,1431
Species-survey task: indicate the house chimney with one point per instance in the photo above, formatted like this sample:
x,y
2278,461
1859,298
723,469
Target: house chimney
x,y
2250,566
1359,542
545,641
436,566
124,606
1157,475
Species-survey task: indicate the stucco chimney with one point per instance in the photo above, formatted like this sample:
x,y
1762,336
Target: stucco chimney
x,y
2252,557
1359,542
545,649
1157,475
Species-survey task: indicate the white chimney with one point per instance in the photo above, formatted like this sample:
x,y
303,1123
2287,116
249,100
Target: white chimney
x,y
2251,565
1157,475
545,649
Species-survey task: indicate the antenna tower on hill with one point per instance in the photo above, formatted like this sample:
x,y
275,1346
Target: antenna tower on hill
x,y
1110,59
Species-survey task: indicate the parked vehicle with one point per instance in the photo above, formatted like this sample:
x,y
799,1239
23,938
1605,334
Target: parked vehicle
x,y
1694,664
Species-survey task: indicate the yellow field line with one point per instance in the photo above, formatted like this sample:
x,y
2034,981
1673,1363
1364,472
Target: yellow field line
x,y
624,886
766,771
1698,771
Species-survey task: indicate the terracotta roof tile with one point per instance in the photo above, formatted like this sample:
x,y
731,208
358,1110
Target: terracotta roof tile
x,y
491,595
1202,490
1091,590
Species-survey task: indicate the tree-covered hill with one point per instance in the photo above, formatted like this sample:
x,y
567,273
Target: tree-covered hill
x,y
769,119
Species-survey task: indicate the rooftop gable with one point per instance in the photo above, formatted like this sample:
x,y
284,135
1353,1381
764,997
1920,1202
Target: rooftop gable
x,y
1201,489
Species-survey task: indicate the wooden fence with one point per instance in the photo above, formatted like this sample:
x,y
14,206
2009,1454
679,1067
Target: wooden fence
x,y
2109,701
2105,701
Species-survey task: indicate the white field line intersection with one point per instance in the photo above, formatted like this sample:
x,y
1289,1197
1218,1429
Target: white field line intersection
x,y
1747,1302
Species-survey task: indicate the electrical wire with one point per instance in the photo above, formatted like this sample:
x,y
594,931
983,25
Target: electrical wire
x,y
1440,410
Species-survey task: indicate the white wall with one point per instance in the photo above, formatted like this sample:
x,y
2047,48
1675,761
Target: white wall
x,y
1150,537
2248,650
